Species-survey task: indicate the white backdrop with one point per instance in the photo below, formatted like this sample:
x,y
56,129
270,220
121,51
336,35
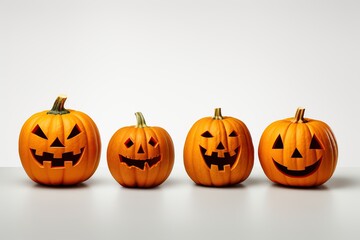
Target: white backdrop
x,y
176,61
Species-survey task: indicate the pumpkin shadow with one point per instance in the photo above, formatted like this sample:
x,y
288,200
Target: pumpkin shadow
x,y
173,182
32,184
342,182
314,188
333,183
249,182
233,186
141,188
75,186
156,188
254,181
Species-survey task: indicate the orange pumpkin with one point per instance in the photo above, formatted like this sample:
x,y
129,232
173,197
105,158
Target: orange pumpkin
x,y
60,146
298,151
218,151
140,156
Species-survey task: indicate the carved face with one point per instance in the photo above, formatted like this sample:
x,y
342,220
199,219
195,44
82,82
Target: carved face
x,y
140,156
297,164
221,156
59,149
144,154
298,152
49,151
218,151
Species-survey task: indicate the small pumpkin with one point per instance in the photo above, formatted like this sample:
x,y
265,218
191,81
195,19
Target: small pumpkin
x,y
140,156
298,151
218,151
60,146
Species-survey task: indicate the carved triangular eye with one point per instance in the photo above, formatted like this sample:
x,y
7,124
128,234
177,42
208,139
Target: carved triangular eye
x,y
37,131
278,143
207,134
74,132
129,143
315,144
233,134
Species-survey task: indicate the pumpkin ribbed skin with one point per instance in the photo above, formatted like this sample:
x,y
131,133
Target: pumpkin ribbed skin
x,y
212,139
298,163
55,145
140,156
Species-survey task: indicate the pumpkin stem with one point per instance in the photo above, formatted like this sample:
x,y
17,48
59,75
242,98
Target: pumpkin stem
x,y
217,114
299,116
58,107
140,120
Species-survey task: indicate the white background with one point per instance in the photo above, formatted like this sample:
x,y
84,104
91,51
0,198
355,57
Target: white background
x,y
176,61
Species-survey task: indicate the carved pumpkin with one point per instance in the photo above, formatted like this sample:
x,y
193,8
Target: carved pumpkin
x,y
140,156
298,151
218,151
60,146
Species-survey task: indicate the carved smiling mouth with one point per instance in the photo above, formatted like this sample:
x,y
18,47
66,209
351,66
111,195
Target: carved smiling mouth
x,y
140,163
57,162
298,173
220,162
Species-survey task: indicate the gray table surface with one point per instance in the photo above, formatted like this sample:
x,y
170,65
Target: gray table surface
x,y
256,209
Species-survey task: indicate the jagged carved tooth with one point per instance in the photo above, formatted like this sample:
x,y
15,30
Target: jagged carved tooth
x,y
146,166
47,164
38,152
68,164
208,153
232,153
214,167
221,154
300,168
57,155
77,151
124,163
227,168
157,163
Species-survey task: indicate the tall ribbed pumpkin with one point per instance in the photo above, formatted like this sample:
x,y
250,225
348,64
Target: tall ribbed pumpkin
x,y
298,151
140,156
60,146
218,151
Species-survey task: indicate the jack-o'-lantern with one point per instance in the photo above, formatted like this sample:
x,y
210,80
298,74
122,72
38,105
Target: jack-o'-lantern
x,y
298,151
140,156
218,151
60,146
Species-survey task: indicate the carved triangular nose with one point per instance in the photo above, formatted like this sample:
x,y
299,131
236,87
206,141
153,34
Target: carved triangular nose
x,y
220,146
296,154
141,150
57,143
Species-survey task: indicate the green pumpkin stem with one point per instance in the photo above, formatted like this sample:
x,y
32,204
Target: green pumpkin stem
x,y
58,107
140,120
299,116
217,114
